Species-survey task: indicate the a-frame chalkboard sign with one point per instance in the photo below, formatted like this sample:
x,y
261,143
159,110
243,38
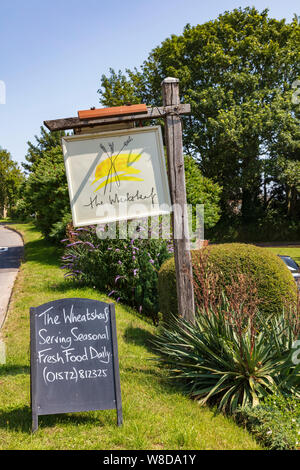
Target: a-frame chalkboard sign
x,y
74,358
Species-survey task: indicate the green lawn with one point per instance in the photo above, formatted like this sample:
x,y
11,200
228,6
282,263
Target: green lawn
x,y
156,415
292,251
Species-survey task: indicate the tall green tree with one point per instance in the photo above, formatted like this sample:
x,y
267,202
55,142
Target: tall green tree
x,y
46,192
237,72
11,180
43,143
46,195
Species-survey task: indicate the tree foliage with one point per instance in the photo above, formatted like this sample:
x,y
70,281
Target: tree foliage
x,y
43,143
237,72
202,190
46,192
11,180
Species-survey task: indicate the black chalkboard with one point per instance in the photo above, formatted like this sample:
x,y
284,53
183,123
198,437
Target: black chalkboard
x,y
74,358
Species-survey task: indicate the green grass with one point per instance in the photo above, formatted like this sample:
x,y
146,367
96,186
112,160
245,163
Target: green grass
x,y
156,414
292,251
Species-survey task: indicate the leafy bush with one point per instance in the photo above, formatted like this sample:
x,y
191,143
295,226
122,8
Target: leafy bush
x,y
125,268
202,190
229,357
275,422
20,210
47,194
275,284
262,230
11,181
59,228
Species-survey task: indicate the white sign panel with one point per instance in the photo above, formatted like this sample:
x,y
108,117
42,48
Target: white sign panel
x,y
117,175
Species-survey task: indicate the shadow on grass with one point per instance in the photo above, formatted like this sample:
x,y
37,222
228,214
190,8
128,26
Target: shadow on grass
x,y
16,419
40,251
20,419
158,372
15,369
68,284
144,338
139,337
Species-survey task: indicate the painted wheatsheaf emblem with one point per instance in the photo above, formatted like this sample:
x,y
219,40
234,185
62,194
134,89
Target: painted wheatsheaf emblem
x,y
117,167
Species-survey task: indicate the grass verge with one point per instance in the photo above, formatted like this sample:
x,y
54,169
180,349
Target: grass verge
x,y
156,415
292,251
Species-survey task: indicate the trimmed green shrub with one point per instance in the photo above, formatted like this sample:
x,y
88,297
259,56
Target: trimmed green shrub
x,y
274,282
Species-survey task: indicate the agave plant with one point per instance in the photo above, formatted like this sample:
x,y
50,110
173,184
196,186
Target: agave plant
x,y
222,360
283,333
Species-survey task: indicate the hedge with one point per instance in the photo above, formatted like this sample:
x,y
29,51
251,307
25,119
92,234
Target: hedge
x,y
275,284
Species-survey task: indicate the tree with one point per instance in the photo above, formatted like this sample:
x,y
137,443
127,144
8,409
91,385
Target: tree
x,y
237,72
11,179
46,192
44,143
201,190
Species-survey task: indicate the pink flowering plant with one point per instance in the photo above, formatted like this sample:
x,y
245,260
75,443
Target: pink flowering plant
x,y
124,268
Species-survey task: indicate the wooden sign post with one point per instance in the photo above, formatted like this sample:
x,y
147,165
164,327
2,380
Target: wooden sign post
x,y
170,111
176,173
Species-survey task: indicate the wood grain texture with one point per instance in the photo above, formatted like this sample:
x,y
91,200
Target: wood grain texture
x,y
114,111
176,174
151,113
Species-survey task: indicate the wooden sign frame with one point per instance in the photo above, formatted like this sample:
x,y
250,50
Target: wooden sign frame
x,y
38,405
155,166
171,111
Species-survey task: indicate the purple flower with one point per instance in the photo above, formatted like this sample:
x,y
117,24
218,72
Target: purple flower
x,y
73,244
151,261
135,271
111,293
118,299
134,257
117,249
120,262
90,244
117,278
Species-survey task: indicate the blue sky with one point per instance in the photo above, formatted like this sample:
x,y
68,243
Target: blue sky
x,y
53,52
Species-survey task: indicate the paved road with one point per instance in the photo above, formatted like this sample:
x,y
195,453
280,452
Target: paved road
x,y
11,251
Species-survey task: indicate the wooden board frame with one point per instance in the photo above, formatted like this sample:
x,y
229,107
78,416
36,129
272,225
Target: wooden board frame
x,y
165,192
34,364
155,112
170,112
